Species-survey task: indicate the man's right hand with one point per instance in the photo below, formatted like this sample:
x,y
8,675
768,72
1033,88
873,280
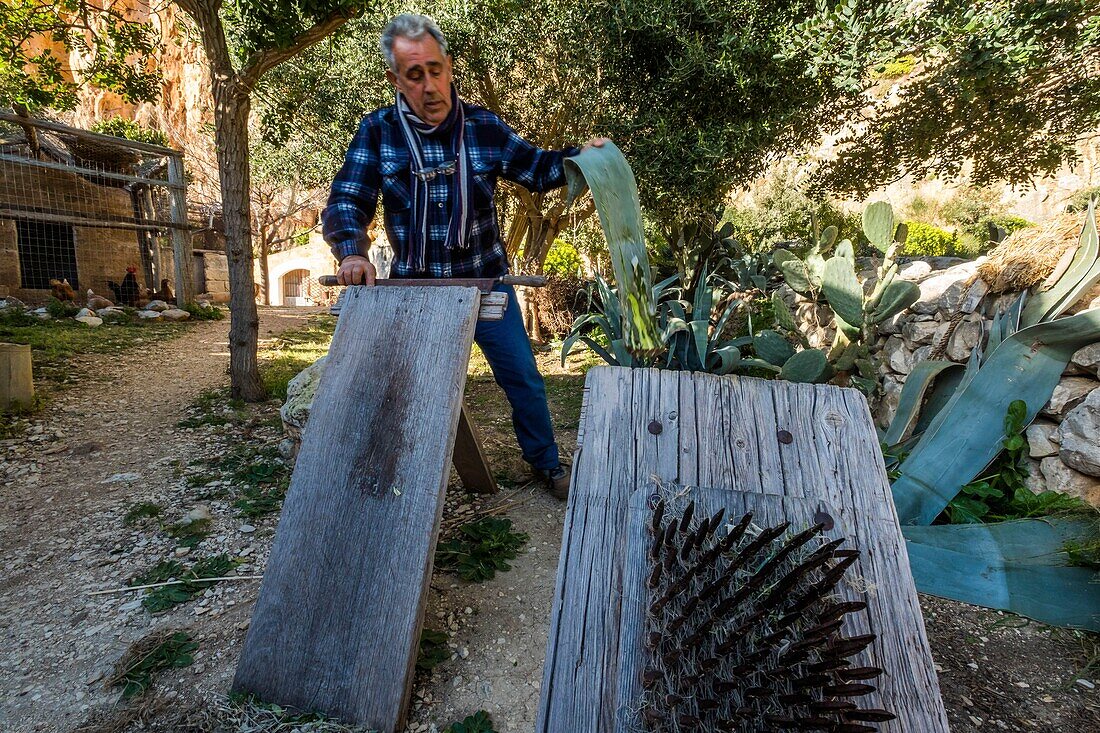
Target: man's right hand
x,y
356,270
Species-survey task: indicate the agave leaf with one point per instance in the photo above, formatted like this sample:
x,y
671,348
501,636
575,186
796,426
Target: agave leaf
x,y
759,364
623,355
773,348
731,307
606,173
700,332
808,365
912,396
898,295
659,288
567,347
967,435
842,290
724,360
1018,566
1082,273
878,224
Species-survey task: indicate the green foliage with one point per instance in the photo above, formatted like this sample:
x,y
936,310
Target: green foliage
x,y
483,547
1001,493
1079,200
195,580
896,68
189,533
57,309
1006,81
479,722
118,53
433,649
130,130
563,260
138,513
204,312
925,240
293,351
135,671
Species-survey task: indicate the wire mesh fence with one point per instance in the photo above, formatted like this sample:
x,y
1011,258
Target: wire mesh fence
x,y
80,212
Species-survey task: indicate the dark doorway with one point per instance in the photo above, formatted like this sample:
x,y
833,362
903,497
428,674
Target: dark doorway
x,y
46,250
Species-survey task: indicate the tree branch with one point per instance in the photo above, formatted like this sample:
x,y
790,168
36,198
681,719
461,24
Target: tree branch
x,y
261,62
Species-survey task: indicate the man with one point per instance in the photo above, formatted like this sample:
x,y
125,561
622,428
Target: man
x,y
435,160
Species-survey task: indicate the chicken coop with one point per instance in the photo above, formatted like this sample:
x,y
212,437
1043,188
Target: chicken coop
x,y
93,211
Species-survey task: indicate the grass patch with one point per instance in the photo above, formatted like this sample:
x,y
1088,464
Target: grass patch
x,y
194,581
134,673
293,351
213,407
189,534
138,513
204,312
479,722
483,547
433,649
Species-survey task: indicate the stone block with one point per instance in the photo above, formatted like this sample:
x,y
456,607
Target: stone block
x,y
1063,479
1079,436
1041,438
1069,393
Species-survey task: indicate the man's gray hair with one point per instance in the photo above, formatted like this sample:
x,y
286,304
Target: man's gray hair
x,y
411,26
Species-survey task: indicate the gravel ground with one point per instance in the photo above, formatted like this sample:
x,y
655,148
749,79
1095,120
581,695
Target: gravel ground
x,y
114,442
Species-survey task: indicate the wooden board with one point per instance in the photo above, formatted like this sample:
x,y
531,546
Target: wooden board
x,y
470,460
813,442
337,624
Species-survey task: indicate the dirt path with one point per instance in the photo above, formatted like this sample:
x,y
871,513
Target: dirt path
x,y
107,443
113,442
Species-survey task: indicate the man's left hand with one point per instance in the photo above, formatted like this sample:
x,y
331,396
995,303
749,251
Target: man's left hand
x,y
596,142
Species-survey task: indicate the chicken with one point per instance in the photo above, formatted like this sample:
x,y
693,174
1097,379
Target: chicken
x,y
165,292
128,291
62,290
97,302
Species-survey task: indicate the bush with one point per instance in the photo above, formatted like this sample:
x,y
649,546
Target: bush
x,y
1079,201
130,130
925,240
563,260
204,312
895,69
560,302
57,309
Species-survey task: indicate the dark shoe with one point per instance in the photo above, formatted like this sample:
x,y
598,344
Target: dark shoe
x,y
557,481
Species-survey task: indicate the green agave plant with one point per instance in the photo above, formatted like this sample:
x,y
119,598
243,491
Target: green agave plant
x,y
950,420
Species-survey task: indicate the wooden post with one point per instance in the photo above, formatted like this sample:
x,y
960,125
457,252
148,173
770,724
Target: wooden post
x,y
181,236
799,441
16,386
469,457
336,628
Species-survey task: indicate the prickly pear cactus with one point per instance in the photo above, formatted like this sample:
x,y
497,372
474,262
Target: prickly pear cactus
x,y
743,629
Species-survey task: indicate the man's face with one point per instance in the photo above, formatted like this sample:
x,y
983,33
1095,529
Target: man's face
x,y
423,76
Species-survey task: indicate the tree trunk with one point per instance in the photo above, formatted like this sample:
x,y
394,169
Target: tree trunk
x,y
265,271
231,107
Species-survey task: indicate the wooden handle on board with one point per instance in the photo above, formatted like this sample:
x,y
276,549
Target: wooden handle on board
x,y
530,281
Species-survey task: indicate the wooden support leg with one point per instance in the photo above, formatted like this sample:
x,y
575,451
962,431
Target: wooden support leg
x,y
469,457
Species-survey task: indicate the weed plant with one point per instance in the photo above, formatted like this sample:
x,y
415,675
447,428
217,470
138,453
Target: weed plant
x,y
194,581
483,547
134,673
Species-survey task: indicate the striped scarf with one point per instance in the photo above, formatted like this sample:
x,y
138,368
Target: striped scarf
x,y
458,231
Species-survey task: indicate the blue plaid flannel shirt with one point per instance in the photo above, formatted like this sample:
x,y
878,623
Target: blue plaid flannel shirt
x,y
378,162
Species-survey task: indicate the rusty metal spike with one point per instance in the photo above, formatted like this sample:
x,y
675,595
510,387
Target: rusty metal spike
x,y
651,677
858,673
758,691
826,665
710,664
822,630
707,703
653,639
873,715
688,721
735,534
762,540
780,721
814,723
658,515
684,614
794,698
671,657
851,646
833,574
724,687
832,706
654,576
685,520
851,689
672,699
854,728
837,610
812,680
653,716
716,520
846,553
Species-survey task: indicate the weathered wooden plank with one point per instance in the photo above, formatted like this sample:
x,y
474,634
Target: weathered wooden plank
x,y
808,442
469,458
337,623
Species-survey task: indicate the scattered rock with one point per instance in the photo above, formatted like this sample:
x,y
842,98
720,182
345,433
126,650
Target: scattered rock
x,y
120,478
198,514
966,337
919,332
1063,479
157,305
1039,439
299,399
945,291
1069,393
897,356
83,313
149,315
888,405
1088,359
91,321
1079,436
246,528
175,314
1035,482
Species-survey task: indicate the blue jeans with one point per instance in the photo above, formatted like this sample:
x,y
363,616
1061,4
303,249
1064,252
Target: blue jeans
x,y
508,351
